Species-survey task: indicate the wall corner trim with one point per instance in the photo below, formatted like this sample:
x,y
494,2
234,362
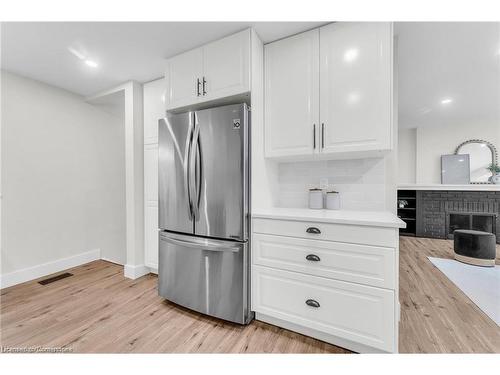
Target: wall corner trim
x,y
44,269
134,272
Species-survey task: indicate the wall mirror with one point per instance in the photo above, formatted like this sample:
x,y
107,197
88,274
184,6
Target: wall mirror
x,y
481,155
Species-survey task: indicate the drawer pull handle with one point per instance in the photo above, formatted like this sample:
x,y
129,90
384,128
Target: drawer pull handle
x,y
312,303
313,258
313,230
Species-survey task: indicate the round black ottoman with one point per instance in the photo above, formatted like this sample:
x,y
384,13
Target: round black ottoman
x,y
474,247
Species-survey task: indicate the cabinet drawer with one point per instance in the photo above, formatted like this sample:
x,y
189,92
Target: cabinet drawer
x,y
354,312
375,236
362,264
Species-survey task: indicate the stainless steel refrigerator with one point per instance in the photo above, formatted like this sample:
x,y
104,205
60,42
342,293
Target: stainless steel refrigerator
x,y
203,176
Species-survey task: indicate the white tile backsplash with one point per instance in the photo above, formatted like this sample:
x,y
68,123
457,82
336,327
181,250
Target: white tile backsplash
x,y
361,182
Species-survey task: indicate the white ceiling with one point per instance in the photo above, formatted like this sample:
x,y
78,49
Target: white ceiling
x,y
124,50
460,61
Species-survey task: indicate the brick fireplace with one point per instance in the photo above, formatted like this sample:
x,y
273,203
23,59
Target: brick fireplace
x,y
439,212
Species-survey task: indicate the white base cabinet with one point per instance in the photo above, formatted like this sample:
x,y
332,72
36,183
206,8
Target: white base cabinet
x,y
318,279
351,311
371,265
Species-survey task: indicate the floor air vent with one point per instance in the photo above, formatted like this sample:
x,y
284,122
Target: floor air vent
x,y
55,278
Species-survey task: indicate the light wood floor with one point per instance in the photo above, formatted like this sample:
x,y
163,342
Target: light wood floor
x,y
98,310
436,316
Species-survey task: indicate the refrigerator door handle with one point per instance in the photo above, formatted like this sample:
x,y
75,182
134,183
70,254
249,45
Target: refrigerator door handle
x,y
193,183
202,244
185,165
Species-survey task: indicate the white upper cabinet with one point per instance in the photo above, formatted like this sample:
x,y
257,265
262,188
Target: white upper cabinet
x,y
328,92
214,71
292,95
226,66
183,76
356,86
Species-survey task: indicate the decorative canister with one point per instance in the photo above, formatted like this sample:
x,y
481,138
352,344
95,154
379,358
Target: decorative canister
x,y
332,200
316,199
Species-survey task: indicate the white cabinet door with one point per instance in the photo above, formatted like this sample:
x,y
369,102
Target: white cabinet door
x,y
350,311
154,108
151,237
151,205
151,173
182,75
362,264
226,66
292,95
356,86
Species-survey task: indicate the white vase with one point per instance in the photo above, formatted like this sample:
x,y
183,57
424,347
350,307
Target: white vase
x,y
496,179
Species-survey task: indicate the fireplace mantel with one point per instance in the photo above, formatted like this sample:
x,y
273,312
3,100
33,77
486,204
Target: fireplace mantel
x,y
440,187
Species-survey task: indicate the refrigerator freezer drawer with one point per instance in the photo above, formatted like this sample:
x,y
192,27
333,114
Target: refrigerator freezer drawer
x,y
205,275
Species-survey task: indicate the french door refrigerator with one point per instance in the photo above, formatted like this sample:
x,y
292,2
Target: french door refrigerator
x,y
203,176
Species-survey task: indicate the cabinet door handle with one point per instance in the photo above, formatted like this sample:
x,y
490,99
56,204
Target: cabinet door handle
x,y
322,135
314,136
312,303
198,83
313,258
313,230
204,83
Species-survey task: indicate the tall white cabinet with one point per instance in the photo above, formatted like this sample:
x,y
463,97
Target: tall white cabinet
x,y
154,109
328,92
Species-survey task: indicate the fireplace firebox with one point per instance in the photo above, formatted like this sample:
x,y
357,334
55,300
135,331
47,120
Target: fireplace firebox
x,y
481,221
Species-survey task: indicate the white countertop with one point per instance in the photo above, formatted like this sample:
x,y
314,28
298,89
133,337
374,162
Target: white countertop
x,y
470,187
369,218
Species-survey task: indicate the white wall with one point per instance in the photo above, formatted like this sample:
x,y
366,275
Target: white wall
x,y
63,174
361,182
128,96
407,156
430,142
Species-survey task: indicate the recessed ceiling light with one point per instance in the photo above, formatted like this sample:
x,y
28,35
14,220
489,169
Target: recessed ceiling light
x,y
91,63
77,53
351,55
446,100
353,97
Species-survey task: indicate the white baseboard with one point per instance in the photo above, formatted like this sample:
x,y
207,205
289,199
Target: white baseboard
x,y
31,273
112,261
335,340
134,272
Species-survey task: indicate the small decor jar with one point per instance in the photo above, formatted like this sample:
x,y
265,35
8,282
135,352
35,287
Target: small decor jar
x,y
315,199
332,200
